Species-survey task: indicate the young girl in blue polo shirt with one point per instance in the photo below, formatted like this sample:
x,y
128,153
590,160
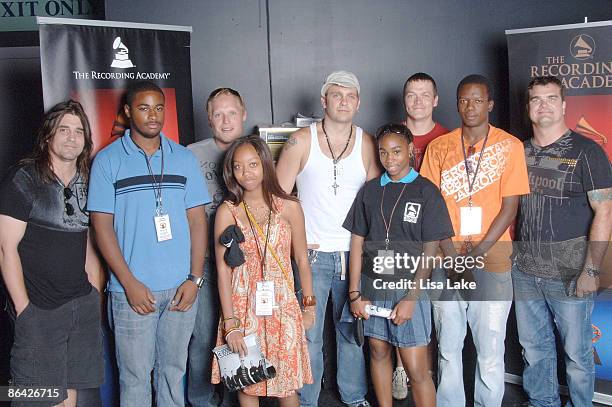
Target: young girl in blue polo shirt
x,y
396,222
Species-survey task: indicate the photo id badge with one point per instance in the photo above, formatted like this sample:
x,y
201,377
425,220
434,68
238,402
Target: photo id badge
x,y
264,298
471,220
162,227
385,262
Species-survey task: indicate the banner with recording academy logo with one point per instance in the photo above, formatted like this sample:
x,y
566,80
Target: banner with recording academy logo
x,y
95,61
580,55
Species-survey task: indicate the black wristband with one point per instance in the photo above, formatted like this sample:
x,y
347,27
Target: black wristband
x,y
356,298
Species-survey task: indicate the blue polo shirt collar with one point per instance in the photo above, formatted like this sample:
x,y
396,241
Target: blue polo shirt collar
x,y
406,179
130,147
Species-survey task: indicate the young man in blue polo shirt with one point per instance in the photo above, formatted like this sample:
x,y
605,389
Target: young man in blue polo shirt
x,y
147,200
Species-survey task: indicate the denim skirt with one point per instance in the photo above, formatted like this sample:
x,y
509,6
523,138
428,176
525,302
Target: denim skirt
x,y
414,332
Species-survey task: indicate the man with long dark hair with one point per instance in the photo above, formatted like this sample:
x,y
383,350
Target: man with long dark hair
x,y
49,266
147,200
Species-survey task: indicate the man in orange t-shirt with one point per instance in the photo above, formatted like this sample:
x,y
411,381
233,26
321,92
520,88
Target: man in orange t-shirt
x,y
481,173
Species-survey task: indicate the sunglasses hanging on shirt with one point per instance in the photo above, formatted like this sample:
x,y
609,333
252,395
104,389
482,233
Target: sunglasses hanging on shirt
x,y
67,205
79,194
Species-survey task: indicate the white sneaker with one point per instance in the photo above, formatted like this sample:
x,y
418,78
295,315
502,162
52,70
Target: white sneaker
x,y
400,384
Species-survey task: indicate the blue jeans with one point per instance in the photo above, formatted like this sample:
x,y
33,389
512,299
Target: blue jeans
x,y
351,374
541,304
487,320
157,341
200,391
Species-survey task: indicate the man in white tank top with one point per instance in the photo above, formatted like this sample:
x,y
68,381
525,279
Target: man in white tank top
x,y
329,162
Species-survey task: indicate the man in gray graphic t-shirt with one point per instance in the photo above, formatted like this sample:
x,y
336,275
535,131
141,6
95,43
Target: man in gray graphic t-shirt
x,y
564,227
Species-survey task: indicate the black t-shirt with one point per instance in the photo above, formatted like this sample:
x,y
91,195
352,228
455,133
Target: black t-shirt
x,y
52,250
555,218
420,216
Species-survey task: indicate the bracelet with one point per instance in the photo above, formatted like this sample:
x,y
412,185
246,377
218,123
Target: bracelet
x,y
354,291
224,320
236,325
230,331
309,300
355,299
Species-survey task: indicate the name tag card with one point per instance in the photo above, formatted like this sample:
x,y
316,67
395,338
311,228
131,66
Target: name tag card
x,y
162,228
264,298
471,220
386,261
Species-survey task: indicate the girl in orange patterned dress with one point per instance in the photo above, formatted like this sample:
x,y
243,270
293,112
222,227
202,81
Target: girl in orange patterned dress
x,y
273,224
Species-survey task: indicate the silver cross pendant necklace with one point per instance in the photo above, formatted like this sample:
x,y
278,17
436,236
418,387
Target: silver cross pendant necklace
x,y
335,160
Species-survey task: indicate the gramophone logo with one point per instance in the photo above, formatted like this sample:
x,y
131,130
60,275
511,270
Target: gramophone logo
x,y
122,58
582,47
596,338
585,128
411,212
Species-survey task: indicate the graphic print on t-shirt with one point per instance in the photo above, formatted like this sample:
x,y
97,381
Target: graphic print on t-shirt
x,y
213,176
548,173
78,201
454,181
560,175
411,212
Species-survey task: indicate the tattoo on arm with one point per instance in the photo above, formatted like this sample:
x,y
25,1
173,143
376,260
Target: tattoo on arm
x,y
291,142
600,195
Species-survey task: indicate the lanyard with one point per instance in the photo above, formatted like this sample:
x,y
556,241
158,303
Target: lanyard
x,y
467,172
157,186
388,225
265,250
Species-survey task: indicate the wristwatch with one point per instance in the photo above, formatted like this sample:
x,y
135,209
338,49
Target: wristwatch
x,y
591,271
197,280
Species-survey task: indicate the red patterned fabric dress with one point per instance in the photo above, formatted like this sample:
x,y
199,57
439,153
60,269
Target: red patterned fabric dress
x,y
281,335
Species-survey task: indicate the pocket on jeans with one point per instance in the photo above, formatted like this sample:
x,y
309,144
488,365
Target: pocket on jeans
x,y
497,287
91,303
345,314
503,277
586,298
24,370
312,256
27,310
